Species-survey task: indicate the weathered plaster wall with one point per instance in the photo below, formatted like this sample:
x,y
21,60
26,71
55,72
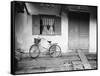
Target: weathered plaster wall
x,y
25,39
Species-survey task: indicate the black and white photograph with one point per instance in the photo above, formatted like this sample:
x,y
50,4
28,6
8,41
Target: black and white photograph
x,y
53,37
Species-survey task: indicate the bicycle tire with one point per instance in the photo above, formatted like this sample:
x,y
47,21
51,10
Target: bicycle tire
x,y
53,51
34,51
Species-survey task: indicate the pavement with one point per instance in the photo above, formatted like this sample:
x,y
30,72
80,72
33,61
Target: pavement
x,y
68,62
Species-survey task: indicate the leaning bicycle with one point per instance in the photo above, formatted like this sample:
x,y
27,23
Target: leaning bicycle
x,y
53,49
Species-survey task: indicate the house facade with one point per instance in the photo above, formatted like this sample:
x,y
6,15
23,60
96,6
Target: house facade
x,y
71,26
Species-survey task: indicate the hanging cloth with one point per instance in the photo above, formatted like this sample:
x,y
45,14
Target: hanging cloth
x,y
51,23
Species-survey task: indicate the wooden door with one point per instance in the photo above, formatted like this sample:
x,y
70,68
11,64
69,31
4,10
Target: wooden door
x,y
84,31
73,30
78,37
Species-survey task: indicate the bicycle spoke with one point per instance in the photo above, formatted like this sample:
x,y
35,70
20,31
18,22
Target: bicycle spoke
x,y
55,51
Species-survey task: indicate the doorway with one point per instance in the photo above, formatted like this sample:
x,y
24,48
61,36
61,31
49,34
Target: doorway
x,y
78,30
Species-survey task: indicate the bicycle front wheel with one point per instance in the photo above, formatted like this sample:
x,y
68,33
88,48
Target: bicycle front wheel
x,y
34,51
55,51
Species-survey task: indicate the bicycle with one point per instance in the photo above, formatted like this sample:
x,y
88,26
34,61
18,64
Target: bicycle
x,y
54,49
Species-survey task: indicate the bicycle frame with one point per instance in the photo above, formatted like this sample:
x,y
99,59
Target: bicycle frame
x,y
40,45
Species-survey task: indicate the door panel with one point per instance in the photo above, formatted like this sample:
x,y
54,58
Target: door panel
x,y
73,30
84,30
78,30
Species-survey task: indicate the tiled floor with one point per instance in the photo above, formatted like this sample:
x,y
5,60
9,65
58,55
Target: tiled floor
x,y
67,62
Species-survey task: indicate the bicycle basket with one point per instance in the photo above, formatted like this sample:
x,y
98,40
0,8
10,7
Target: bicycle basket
x,y
37,41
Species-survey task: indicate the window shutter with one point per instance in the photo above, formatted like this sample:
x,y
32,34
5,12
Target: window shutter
x,y
35,25
58,26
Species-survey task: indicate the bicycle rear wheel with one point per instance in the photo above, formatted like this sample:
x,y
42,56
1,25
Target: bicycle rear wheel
x,y
34,51
55,51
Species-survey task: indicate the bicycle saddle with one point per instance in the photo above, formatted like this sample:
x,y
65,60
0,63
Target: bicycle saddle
x,y
36,40
49,41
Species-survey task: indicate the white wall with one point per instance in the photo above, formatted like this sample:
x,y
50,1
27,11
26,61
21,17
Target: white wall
x,y
25,39
23,30
93,33
62,39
